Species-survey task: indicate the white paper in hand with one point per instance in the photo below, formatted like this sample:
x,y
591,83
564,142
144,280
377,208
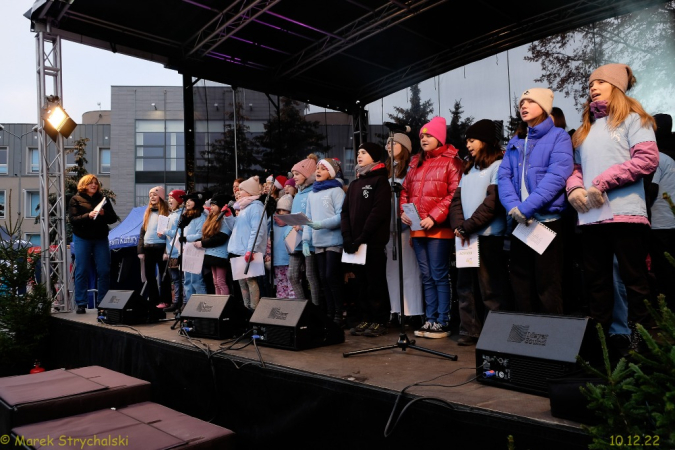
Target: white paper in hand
x,y
193,258
356,258
410,210
162,224
256,268
597,214
537,235
467,255
99,206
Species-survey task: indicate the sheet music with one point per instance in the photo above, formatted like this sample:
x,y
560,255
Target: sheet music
x,y
99,206
597,214
162,224
256,268
356,258
467,255
193,258
411,211
537,235
293,219
292,239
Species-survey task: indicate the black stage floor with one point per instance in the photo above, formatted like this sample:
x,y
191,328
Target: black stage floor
x,y
317,398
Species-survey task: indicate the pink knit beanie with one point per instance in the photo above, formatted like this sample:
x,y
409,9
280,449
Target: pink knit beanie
x,y
306,167
159,190
436,128
618,75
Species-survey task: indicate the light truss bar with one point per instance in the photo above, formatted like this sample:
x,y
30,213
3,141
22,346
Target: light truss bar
x,y
54,256
364,27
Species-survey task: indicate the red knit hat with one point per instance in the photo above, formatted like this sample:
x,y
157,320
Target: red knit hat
x,y
437,128
177,194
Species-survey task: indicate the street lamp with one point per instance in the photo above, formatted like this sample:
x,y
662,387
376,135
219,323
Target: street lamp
x,y
20,138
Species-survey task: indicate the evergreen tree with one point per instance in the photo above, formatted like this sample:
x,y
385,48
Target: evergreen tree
x,y
418,114
289,138
456,131
217,165
514,121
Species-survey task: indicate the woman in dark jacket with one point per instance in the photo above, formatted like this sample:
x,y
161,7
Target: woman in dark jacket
x,y
90,238
366,212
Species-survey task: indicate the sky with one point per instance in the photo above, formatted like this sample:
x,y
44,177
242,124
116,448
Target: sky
x,y
485,88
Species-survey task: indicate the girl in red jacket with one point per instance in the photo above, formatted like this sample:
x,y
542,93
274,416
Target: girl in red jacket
x,y
430,184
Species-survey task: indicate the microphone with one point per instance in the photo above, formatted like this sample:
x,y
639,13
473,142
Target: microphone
x,y
397,127
224,210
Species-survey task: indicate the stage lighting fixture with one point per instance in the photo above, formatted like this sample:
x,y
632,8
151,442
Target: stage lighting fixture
x,y
57,121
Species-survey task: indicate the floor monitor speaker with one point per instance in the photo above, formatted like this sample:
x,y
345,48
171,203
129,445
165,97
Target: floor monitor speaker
x,y
293,324
127,308
524,351
214,316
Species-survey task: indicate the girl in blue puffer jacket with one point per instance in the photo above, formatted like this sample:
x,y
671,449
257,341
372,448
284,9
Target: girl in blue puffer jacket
x,y
531,184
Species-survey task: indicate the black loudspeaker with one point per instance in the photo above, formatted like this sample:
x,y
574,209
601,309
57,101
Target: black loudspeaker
x,y
524,351
127,308
293,324
214,316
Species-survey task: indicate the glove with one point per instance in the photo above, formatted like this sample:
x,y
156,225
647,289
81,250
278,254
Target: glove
x,y
517,215
595,198
141,256
578,199
248,257
305,249
182,239
315,225
228,211
350,247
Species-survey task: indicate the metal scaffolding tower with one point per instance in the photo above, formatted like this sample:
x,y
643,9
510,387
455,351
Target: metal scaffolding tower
x,y
52,175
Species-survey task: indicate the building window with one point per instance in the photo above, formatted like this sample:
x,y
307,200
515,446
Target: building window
x,y
3,160
160,146
104,160
33,238
2,204
33,165
32,203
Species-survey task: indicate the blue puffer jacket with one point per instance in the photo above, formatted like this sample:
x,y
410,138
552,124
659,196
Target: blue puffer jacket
x,y
549,163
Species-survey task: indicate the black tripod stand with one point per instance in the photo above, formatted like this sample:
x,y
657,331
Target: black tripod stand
x,y
179,231
403,342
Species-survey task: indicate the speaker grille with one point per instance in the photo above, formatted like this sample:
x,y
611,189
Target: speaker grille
x,y
533,374
207,328
284,336
114,316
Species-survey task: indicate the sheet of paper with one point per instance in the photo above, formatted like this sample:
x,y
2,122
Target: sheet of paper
x,y
411,211
597,214
292,239
193,258
467,255
99,206
256,268
537,235
162,224
356,258
293,219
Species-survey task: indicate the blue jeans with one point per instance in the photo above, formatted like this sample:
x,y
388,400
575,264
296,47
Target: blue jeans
x,y
433,256
620,311
177,281
194,284
86,252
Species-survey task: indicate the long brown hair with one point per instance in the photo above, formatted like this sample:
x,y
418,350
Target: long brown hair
x,y
403,161
211,226
162,209
619,107
487,154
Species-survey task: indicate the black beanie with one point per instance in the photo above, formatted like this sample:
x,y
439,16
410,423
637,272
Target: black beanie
x,y
374,150
220,199
483,130
198,197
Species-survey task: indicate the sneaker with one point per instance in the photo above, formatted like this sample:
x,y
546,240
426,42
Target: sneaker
x,y
359,329
375,330
81,310
426,327
437,331
466,341
162,306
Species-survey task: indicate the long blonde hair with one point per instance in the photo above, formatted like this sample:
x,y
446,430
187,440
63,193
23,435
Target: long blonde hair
x,y
162,209
619,107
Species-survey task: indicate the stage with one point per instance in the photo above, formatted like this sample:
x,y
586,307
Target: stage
x,y
317,398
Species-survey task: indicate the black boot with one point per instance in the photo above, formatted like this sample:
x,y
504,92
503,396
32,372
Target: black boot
x,y
173,308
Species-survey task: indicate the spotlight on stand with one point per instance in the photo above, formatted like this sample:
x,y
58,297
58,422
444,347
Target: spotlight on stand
x,y
57,121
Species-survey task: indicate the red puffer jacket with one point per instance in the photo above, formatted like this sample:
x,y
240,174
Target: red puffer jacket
x,y
431,187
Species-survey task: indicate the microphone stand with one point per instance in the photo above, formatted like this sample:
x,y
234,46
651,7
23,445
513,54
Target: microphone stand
x,y
255,239
179,230
403,342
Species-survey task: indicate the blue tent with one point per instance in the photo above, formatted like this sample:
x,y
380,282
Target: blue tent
x,y
126,233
